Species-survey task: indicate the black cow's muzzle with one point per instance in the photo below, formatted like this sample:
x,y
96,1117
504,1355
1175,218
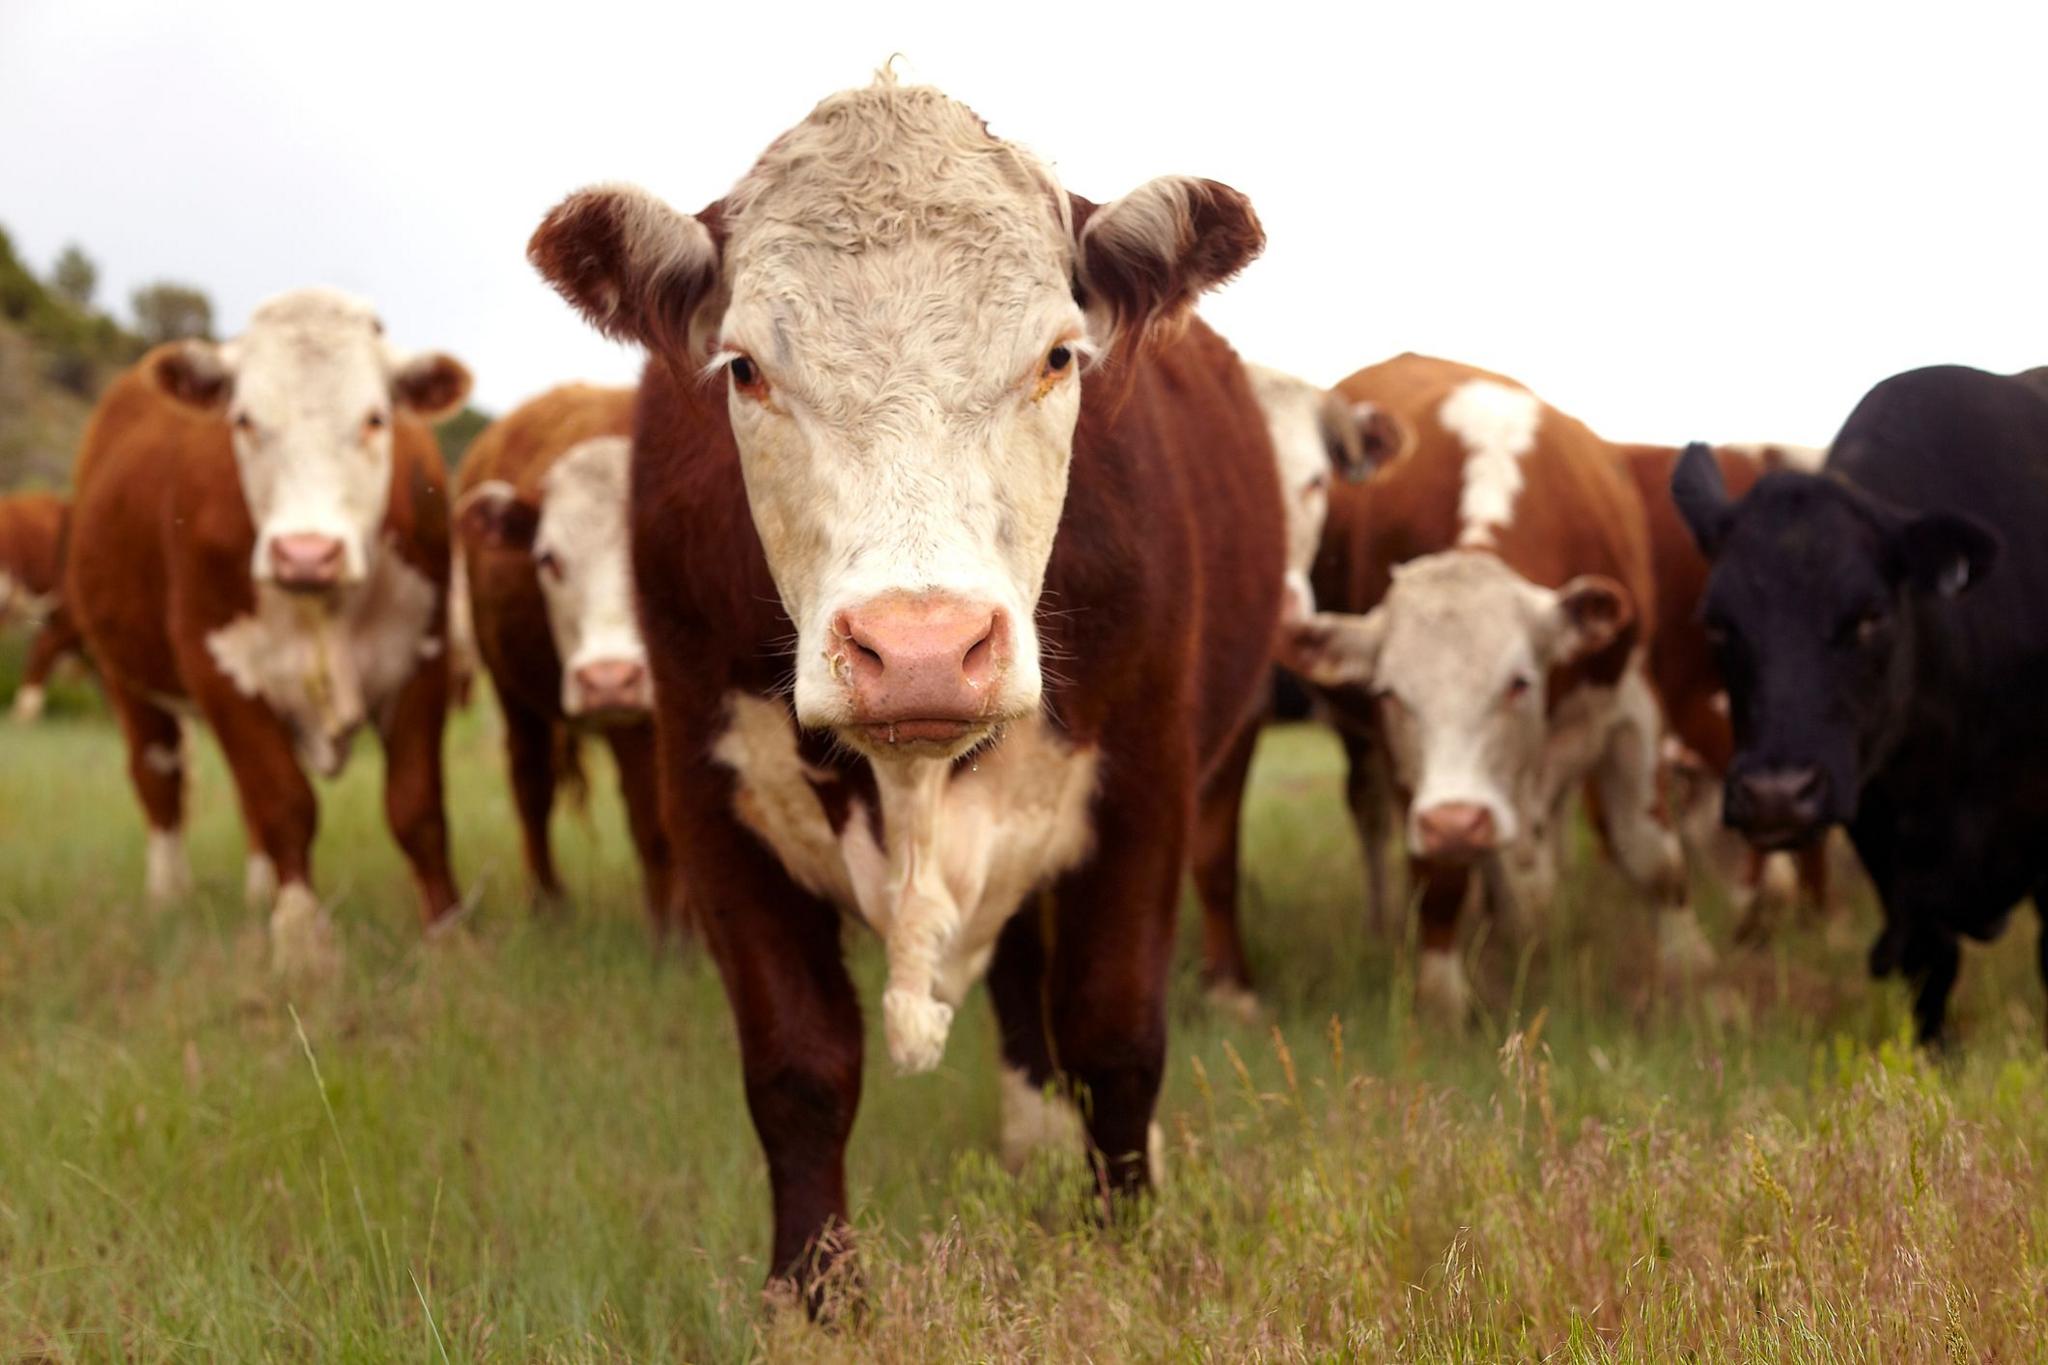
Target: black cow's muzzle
x,y
1777,808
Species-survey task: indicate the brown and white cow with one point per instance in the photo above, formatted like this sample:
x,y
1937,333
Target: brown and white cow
x,y
1494,594
541,516
1700,741
958,574
260,532
31,576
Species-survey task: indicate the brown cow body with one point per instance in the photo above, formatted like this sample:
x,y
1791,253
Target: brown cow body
x,y
514,640
1492,475
1165,584
31,578
159,578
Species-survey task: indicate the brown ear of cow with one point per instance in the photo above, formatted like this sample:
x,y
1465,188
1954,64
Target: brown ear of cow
x,y
496,515
1363,437
1593,610
190,372
432,385
635,268
1142,260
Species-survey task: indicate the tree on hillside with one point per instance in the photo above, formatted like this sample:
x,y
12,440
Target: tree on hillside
x,y
75,277
171,312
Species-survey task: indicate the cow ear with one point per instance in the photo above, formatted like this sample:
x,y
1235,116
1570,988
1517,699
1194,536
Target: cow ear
x,y
1945,554
431,385
1333,649
494,513
635,268
1362,437
1591,613
1701,496
196,374
1142,260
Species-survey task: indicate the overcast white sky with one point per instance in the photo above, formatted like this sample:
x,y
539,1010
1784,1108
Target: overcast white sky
x,y
1674,221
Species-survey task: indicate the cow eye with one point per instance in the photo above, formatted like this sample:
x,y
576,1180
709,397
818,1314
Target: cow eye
x,y
374,422
547,562
1059,358
746,376
244,422
1517,688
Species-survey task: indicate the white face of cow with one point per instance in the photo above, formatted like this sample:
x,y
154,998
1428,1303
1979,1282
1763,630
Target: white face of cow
x,y
892,299
310,392
1458,654
581,551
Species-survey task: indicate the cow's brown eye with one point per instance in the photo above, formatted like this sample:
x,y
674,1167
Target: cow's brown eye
x,y
374,422
1057,359
1517,688
549,565
746,375
244,422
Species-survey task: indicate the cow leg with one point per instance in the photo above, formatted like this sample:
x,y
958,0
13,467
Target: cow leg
x,y
156,765
1111,954
799,1026
1931,962
279,808
413,802
1441,988
1218,825
530,752
52,642
1648,851
1033,1117
633,752
1370,795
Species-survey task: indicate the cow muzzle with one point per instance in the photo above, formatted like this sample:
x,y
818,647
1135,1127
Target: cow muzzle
x,y
307,562
610,691
1456,831
1777,808
921,670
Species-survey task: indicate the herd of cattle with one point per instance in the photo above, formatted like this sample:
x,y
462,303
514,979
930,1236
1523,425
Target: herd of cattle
x,y
934,575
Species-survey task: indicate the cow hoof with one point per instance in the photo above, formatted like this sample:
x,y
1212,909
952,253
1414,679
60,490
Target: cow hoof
x,y
1682,950
915,1026
169,876
259,881
1035,1119
28,705
1236,1001
1441,989
302,940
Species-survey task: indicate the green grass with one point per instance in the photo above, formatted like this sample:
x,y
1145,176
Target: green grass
x,y
530,1144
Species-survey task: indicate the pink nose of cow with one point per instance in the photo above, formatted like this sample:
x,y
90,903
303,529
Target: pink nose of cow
x,y
922,668
306,561
1457,830
613,685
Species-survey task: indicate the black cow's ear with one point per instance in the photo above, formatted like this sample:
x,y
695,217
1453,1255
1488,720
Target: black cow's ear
x,y
1944,553
1701,496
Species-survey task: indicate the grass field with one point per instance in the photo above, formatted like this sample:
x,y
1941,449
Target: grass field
x,y
529,1143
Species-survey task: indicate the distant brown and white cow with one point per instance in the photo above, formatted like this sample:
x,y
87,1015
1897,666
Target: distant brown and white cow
x,y
31,574
1494,594
260,532
541,515
1700,740
946,621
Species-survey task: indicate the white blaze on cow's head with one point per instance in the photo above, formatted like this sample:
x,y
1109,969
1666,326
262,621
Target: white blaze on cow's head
x,y
1459,655
310,390
1317,434
577,537
900,306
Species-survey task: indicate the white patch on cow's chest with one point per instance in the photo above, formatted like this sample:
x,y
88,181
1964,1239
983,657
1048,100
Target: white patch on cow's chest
x,y
1497,426
327,668
962,848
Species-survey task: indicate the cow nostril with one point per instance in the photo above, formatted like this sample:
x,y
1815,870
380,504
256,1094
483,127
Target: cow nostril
x,y
979,660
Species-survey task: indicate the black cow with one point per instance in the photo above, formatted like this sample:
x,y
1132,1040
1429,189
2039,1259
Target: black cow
x,y
1881,675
